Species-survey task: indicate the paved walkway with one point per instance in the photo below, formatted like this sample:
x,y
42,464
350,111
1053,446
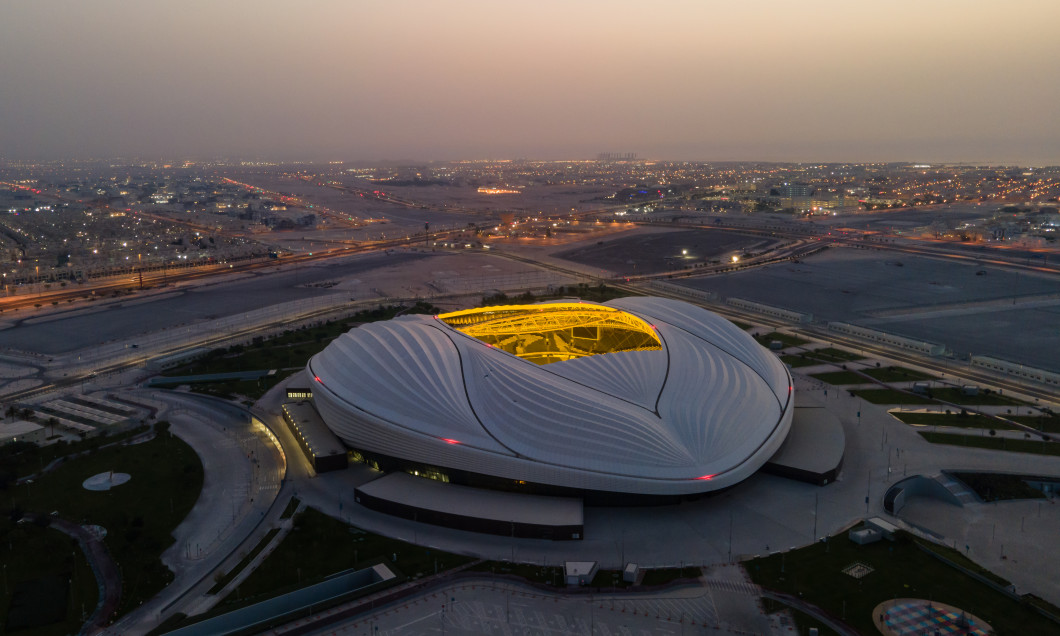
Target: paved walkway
x,y
477,606
242,480
762,515
103,567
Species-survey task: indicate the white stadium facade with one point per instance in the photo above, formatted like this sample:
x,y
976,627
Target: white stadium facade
x,y
635,399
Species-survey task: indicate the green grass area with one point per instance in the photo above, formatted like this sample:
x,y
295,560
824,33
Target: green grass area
x,y
662,576
968,420
840,378
787,339
796,361
224,579
960,559
292,505
818,356
139,515
896,374
891,396
593,293
815,573
290,350
609,578
170,624
319,546
1045,424
1042,604
1035,447
953,395
253,389
803,622
546,575
47,581
831,354
19,459
999,486
742,325
984,398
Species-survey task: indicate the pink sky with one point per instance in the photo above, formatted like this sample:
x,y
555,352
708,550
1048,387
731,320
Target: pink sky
x,y
767,80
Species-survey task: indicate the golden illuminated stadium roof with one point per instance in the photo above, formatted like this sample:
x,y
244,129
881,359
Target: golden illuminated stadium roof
x,y
554,332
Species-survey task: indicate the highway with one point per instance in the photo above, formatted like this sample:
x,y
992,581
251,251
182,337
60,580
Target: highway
x,y
984,255
803,246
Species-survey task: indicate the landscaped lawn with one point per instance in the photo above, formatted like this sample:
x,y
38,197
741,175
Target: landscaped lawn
x,y
287,352
319,546
818,356
47,572
995,443
983,398
831,354
547,575
796,361
952,395
998,486
803,622
1045,424
787,339
969,420
24,459
593,293
221,581
896,374
891,396
900,569
840,378
139,516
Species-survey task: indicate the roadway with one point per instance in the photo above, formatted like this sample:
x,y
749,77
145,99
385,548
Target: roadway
x,y
242,497
942,367
995,254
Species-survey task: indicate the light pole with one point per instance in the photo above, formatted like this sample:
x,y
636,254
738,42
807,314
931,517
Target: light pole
x,y
816,502
730,536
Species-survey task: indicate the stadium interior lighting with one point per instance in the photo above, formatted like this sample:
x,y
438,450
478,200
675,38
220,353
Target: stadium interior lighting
x,y
555,332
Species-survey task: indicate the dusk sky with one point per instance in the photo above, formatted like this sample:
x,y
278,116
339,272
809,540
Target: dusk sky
x,y
818,80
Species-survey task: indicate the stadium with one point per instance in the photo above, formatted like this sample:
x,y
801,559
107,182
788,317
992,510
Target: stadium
x,y
636,398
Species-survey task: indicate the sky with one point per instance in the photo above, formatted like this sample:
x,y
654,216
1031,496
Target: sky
x,y
364,80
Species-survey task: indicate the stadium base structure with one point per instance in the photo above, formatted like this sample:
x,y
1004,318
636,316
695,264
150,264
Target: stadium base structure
x,y
813,451
473,509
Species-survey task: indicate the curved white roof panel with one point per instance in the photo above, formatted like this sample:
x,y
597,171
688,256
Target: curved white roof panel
x,y
701,412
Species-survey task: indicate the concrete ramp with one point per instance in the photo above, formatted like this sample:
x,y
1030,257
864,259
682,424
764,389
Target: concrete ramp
x,y
960,490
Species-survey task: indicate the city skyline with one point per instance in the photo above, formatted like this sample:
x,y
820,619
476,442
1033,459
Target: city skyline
x,y
818,81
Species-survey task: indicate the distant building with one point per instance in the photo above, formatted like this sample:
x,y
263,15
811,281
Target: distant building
x,y
21,431
792,190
